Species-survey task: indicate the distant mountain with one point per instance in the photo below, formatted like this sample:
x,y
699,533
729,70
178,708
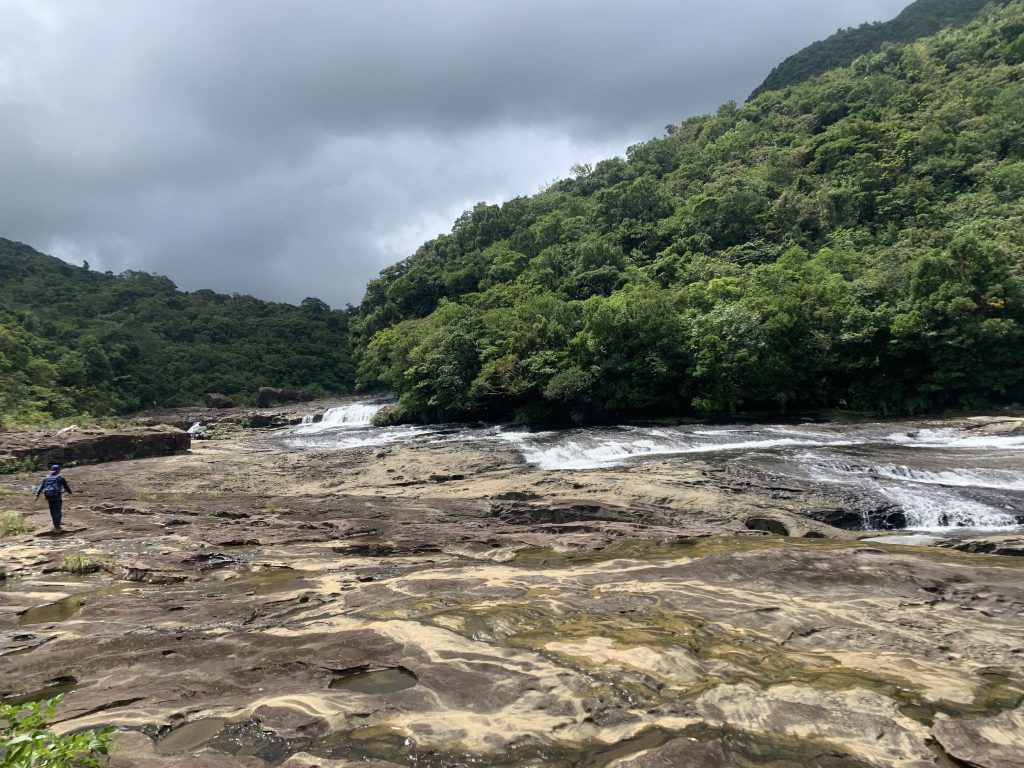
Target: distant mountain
x,y
917,20
73,340
852,241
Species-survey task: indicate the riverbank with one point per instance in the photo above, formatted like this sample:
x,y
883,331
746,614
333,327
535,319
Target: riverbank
x,y
446,603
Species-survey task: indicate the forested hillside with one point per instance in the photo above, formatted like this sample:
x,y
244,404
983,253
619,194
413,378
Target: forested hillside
x,y
917,20
76,341
852,241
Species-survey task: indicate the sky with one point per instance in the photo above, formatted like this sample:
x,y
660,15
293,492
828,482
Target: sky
x,y
294,148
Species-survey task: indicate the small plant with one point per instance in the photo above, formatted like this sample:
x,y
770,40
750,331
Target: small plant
x,y
144,496
20,465
26,742
270,507
214,494
12,524
79,564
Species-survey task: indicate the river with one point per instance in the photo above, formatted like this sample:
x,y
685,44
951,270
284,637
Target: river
x,y
942,477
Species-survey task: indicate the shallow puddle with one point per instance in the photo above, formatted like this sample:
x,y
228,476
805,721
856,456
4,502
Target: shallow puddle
x,y
248,739
55,687
910,540
376,680
742,749
191,735
66,607
270,580
55,612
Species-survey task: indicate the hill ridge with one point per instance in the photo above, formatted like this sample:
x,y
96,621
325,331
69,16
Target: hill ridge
x,y
919,19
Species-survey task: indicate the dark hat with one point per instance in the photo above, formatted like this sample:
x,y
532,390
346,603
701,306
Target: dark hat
x,y
55,467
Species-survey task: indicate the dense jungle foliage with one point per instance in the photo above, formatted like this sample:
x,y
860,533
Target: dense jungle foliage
x,y
76,341
852,241
917,20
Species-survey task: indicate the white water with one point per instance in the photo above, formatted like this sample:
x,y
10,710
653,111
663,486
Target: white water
x,y
1003,479
940,477
597,449
352,416
349,426
938,509
955,438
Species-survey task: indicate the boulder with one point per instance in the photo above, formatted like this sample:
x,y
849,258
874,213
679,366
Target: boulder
x,y
1008,546
217,400
890,517
267,396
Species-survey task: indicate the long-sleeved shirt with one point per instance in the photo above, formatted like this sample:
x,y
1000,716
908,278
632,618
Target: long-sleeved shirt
x,y
60,485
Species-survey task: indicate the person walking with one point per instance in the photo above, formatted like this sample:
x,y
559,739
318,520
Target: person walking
x,y
52,487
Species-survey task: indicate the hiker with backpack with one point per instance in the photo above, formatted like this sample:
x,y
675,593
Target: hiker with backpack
x,y
51,487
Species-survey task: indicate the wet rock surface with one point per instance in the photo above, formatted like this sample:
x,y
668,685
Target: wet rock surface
x,y
252,607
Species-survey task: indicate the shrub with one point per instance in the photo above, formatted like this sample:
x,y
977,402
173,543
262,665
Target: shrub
x,y
18,466
27,742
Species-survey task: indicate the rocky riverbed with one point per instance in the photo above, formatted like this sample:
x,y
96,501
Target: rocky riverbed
x,y
446,604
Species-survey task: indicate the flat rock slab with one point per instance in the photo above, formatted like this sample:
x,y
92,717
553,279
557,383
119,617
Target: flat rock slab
x,y
52,534
992,742
806,649
91,446
508,619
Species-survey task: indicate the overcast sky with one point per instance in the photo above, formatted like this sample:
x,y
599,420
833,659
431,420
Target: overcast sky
x,y
293,148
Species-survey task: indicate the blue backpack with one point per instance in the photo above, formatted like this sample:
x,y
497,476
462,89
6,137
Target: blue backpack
x,y
51,486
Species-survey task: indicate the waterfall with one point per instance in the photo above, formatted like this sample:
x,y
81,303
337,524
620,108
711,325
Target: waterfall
x,y
351,416
934,508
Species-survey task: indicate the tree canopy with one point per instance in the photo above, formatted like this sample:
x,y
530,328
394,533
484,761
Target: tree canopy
x,y
854,240
76,341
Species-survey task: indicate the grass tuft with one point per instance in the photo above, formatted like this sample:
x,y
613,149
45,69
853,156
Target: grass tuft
x,y
79,564
12,524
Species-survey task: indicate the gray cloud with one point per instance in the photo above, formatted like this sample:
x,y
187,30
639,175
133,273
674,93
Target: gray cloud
x,y
288,149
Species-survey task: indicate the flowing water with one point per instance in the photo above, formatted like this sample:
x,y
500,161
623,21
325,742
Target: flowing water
x,y
941,477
